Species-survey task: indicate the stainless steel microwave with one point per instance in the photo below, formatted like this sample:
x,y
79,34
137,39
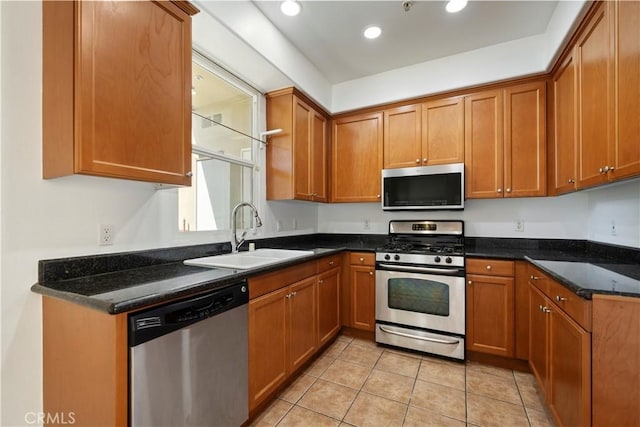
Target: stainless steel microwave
x,y
424,188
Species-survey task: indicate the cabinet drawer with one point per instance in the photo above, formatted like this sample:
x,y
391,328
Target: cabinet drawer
x,y
538,279
269,282
490,267
362,258
579,309
327,263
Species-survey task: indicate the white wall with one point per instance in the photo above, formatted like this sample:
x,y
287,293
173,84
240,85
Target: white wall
x,y
615,206
544,217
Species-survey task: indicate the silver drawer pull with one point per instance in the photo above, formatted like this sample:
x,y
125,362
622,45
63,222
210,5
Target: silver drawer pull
x,y
417,337
559,298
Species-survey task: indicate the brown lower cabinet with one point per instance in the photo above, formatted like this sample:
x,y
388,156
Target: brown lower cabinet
x,y
292,313
363,291
490,306
560,350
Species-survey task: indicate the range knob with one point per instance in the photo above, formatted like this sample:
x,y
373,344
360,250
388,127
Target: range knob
x,y
448,260
387,257
396,257
437,259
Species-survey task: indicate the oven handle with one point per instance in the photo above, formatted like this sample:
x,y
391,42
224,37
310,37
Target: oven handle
x,y
407,268
416,337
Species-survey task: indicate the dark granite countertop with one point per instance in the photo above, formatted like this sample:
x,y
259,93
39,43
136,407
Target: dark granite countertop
x,y
584,267
117,283
134,288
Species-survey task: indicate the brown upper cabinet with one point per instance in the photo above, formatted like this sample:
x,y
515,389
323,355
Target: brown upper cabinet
x,y
484,145
431,133
297,157
356,148
443,131
596,131
592,60
117,90
624,146
562,150
505,142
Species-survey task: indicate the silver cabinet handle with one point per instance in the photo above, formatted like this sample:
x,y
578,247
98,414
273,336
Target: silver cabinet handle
x,y
410,269
540,307
611,169
470,282
371,273
534,277
508,190
489,267
499,190
320,282
189,174
560,299
417,160
331,262
378,196
417,337
293,294
600,171
287,296
571,181
424,160
606,169
546,310
361,259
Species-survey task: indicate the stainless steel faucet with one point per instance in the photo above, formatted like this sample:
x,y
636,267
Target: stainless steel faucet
x,y
235,243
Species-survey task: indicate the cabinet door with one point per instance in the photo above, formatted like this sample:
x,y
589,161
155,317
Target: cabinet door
x,y
592,54
318,160
363,299
302,322
302,114
268,338
328,305
625,148
563,149
484,147
569,370
538,332
133,98
443,131
357,158
490,314
402,146
525,141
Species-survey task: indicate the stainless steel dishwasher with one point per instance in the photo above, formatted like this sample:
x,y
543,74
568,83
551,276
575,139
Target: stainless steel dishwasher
x,y
189,361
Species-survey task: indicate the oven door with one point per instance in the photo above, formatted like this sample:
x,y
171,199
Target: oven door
x,y
417,297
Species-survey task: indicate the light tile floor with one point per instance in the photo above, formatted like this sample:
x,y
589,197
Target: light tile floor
x,y
355,382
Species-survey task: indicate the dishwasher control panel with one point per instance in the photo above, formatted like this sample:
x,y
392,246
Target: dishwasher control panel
x,y
149,324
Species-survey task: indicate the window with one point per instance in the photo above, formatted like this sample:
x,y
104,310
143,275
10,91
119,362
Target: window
x,y
224,121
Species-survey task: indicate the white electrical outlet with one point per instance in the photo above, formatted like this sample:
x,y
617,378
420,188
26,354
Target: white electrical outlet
x,y
613,228
520,225
106,233
367,225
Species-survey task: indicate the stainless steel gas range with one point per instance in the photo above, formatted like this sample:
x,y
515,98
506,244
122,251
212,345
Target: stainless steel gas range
x,y
420,287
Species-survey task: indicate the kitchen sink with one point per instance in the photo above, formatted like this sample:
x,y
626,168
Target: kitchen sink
x,y
250,259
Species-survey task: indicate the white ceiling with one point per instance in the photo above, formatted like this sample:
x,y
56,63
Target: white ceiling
x,y
329,33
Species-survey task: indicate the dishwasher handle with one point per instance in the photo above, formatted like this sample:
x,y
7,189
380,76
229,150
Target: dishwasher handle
x,y
158,321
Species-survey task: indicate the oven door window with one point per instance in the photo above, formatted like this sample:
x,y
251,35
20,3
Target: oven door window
x,y
419,295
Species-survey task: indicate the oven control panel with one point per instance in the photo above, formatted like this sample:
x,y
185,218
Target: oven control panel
x,y
424,259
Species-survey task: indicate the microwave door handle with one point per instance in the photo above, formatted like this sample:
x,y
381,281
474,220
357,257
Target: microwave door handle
x,y
410,269
417,337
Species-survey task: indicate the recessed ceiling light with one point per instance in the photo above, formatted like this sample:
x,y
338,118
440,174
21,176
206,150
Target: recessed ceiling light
x,y
372,32
456,5
290,7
